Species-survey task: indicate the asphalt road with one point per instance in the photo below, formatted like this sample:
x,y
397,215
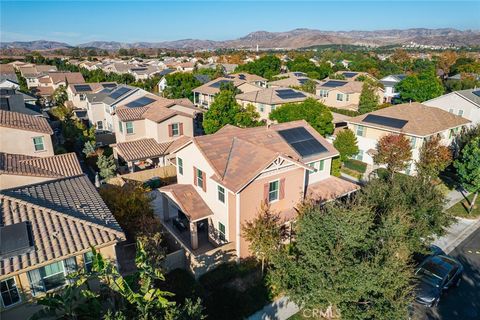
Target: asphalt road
x,y
462,303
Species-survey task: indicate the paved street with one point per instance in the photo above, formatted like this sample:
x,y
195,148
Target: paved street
x,y
462,303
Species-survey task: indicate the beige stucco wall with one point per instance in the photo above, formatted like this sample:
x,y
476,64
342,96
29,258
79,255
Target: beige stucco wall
x,y
160,130
267,108
139,130
21,142
11,181
252,197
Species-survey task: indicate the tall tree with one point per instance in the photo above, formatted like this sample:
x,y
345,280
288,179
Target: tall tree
x,y
266,66
314,112
369,99
420,88
264,234
394,151
433,158
351,267
180,85
346,144
468,168
107,166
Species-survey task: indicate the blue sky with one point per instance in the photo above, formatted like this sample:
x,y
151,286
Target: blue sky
x,y
127,21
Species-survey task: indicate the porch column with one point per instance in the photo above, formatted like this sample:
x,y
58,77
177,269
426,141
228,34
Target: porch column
x,y
193,235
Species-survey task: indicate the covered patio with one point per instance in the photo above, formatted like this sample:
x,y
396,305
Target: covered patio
x,y
141,154
330,189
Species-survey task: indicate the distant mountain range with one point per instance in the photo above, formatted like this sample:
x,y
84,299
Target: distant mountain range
x,y
298,38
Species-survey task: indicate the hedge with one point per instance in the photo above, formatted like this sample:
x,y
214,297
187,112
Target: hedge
x,y
356,165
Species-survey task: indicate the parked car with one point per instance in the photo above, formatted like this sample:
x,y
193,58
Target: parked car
x,y
435,275
429,251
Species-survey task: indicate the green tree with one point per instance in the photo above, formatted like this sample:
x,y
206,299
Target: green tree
x,y
369,100
346,144
264,234
60,95
356,267
107,166
310,110
266,66
248,117
394,151
309,86
180,85
468,168
420,88
89,149
433,158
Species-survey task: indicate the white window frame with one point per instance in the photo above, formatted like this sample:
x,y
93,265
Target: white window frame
x,y
175,129
359,156
180,165
361,129
35,144
261,107
323,93
10,289
99,125
120,126
413,142
277,191
199,178
86,263
340,95
460,112
221,193
127,129
450,110
221,234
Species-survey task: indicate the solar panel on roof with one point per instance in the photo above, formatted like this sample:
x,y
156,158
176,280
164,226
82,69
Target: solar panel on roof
x,y
298,74
302,141
334,83
16,239
219,83
109,85
349,74
141,102
385,121
289,94
241,77
119,92
477,93
303,80
82,87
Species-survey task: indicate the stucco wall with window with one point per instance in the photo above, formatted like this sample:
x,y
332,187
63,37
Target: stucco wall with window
x,y
139,130
457,105
21,142
160,131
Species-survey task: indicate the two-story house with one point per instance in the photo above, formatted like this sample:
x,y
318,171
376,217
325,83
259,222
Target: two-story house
x,y
77,93
291,79
102,104
51,216
146,129
342,94
465,103
21,133
267,100
224,178
204,95
414,120
389,82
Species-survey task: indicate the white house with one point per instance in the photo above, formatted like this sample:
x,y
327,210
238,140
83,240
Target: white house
x,y
465,103
389,82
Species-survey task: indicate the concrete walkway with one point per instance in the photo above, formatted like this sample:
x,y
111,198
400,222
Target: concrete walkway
x,y
280,309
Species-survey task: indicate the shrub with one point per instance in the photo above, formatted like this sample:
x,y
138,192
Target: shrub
x,y
356,165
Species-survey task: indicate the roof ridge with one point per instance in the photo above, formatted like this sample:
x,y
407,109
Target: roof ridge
x,y
228,157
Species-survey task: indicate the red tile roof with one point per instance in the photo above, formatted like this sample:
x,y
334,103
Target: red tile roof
x,y
23,121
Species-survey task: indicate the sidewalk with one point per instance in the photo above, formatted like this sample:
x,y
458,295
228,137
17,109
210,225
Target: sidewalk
x,y
281,309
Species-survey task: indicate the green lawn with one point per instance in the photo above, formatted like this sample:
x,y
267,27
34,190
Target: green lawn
x,y
461,208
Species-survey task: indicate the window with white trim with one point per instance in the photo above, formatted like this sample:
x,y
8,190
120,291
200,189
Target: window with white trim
x,y
88,261
358,156
99,125
413,142
221,231
180,165
129,127
51,276
261,107
360,131
199,178
460,112
323,93
317,165
120,126
339,96
221,194
9,292
273,191
175,129
38,144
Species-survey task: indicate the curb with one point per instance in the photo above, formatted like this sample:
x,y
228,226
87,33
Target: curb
x,y
462,236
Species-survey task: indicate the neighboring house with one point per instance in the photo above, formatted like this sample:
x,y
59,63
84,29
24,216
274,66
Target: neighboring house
x,y
13,100
32,73
342,94
25,134
354,75
57,79
144,72
116,67
389,83
461,76
224,178
204,95
162,84
101,105
267,100
146,130
8,77
465,103
49,222
77,93
293,79
414,120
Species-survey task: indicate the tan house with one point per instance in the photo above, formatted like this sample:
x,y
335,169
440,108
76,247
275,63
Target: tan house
x,y
204,95
224,178
354,75
414,120
148,128
77,93
267,100
47,228
25,134
342,94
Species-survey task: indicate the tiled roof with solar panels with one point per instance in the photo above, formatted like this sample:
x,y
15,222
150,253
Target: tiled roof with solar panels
x,y
411,118
274,96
